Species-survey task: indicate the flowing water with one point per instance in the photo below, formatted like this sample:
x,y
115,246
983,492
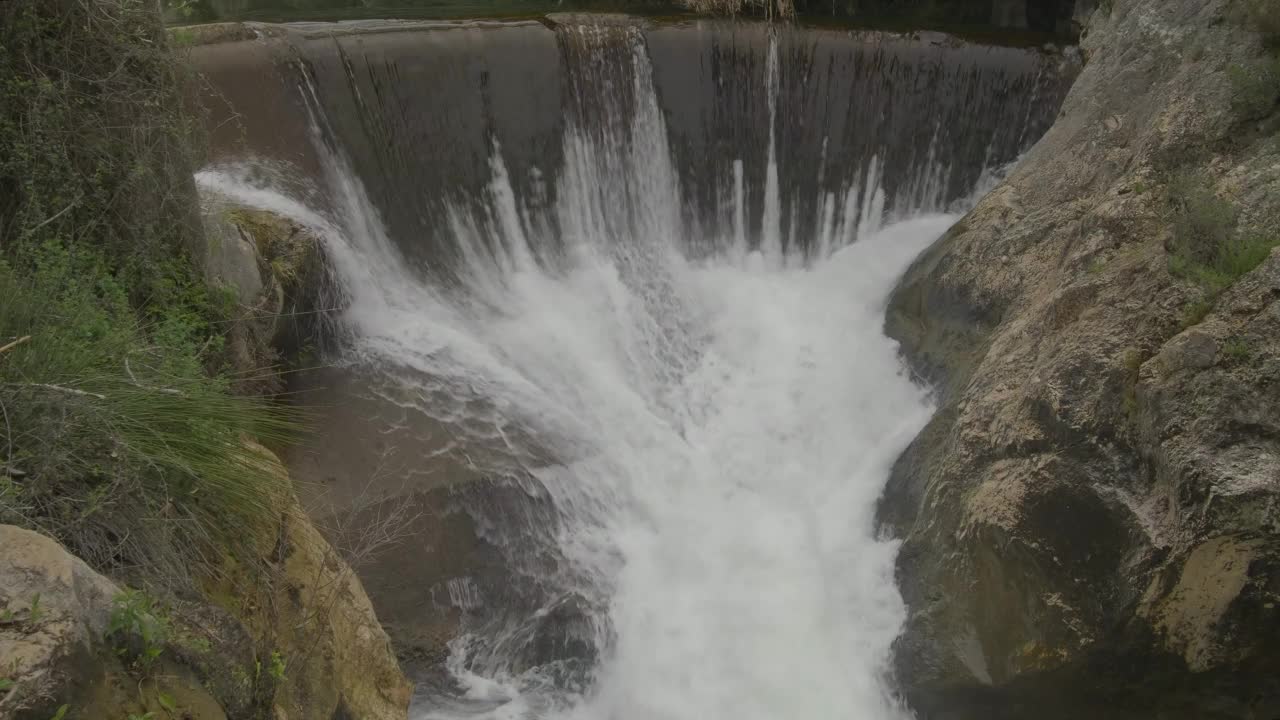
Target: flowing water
x,y
678,358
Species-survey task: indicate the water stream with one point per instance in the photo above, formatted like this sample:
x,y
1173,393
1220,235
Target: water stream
x,y
692,387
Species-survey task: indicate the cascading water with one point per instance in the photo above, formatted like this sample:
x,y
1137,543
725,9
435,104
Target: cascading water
x,y
681,367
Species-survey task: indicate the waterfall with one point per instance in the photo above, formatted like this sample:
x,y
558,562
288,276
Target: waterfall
x,y
674,356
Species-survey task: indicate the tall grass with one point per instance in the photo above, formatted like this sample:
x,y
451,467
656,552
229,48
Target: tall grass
x,y
118,435
115,440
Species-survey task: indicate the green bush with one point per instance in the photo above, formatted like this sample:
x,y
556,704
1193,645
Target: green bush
x,y
137,629
117,433
1255,88
1234,258
115,440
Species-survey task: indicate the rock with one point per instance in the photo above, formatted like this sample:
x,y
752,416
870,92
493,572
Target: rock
x,y
345,666
1090,520
311,616
231,260
54,616
278,275
54,612
1192,350
297,637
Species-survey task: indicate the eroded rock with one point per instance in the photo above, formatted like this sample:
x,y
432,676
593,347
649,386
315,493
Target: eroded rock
x,y
1090,520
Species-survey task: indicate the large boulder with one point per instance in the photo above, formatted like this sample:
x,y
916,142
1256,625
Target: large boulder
x,y
55,653
276,273
290,635
54,612
314,626
1090,519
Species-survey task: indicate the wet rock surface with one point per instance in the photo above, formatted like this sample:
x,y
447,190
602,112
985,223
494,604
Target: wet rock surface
x,y
1090,519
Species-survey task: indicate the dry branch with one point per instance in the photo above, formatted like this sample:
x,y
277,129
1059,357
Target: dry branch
x,y
14,344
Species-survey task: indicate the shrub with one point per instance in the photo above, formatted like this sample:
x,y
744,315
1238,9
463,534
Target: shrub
x,y
1202,222
1264,16
1234,258
1236,349
1196,311
1206,248
115,439
137,628
117,434
779,8
1255,88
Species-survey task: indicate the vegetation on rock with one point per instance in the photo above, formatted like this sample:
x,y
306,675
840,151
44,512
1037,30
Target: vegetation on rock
x,y
1089,519
125,430
118,435
1208,250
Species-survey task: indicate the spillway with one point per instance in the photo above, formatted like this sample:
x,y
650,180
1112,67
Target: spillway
x,y
624,284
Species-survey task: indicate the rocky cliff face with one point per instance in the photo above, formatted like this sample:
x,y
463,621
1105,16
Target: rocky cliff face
x,y
1090,521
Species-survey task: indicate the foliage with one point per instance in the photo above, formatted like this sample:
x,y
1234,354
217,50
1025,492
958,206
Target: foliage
x,y
95,147
1132,362
126,449
779,8
1255,88
1194,312
1264,16
1236,349
1207,250
138,630
1234,258
277,665
1202,221
117,434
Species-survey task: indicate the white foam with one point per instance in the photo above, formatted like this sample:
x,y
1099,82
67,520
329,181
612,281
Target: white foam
x,y
720,428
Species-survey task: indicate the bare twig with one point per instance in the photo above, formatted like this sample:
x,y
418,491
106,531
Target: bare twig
x,y
8,437
54,216
59,388
15,343
166,391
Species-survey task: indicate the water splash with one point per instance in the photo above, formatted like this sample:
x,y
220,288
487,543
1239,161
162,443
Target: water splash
x,y
702,434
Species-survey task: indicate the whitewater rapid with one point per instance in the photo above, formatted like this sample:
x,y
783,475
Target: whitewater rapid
x,y
713,430
723,450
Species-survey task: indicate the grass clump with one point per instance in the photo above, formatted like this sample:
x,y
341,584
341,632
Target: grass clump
x,y
1206,249
1236,349
115,440
1255,88
118,435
